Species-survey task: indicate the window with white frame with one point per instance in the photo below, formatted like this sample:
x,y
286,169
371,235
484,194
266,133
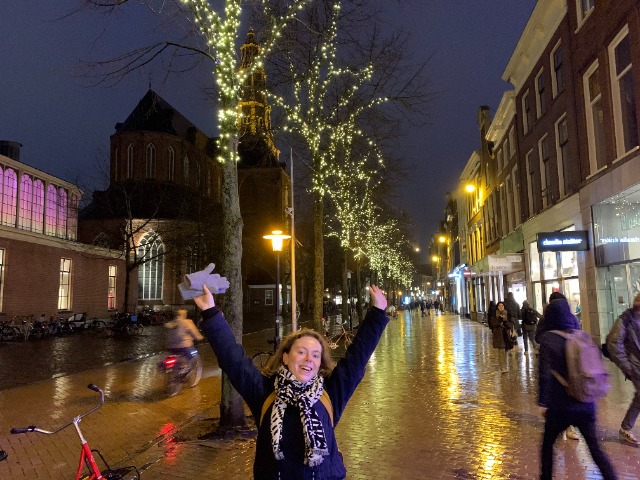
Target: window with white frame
x,y
37,222
545,170
512,142
51,210
557,78
562,154
516,196
185,170
509,204
584,8
9,197
2,262
622,91
530,174
111,289
64,291
26,202
595,118
527,112
541,100
171,164
130,161
150,169
268,297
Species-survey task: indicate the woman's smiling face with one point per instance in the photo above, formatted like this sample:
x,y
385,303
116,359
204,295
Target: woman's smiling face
x,y
304,358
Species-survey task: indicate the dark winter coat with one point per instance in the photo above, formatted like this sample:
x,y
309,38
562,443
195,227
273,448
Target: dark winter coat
x,y
551,393
527,311
255,388
498,324
543,326
623,343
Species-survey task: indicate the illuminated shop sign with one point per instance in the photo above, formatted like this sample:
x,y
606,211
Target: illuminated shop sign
x,y
563,241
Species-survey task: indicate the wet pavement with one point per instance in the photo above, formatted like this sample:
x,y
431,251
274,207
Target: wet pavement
x,y
432,405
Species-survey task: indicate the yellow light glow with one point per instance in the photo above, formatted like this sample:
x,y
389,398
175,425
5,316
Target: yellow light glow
x,y
470,188
277,239
435,258
442,239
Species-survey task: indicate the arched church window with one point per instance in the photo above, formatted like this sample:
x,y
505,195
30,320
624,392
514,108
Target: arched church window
x,y
9,197
151,251
130,161
26,202
171,164
151,161
51,208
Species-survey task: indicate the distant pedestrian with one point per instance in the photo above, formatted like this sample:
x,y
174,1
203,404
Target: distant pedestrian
x,y
501,325
560,409
623,343
513,308
423,307
301,394
530,317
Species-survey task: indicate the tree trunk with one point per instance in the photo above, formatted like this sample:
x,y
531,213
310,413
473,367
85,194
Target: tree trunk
x,y
345,287
318,264
231,405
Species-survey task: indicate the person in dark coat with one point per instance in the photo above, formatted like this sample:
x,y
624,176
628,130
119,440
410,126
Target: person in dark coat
x,y
542,324
530,317
514,310
296,438
560,410
491,311
500,325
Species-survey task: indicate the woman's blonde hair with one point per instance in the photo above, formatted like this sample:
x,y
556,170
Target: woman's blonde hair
x,y
326,361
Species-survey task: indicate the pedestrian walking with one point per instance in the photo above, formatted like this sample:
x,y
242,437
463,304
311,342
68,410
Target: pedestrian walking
x,y
560,409
530,317
502,325
301,394
623,343
423,307
513,308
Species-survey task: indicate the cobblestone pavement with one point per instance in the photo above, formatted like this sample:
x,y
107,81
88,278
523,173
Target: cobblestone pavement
x,y
431,406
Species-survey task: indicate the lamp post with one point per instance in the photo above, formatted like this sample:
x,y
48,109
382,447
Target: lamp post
x,y
277,238
349,299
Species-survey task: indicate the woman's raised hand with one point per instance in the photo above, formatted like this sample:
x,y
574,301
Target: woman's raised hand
x,y
205,301
378,299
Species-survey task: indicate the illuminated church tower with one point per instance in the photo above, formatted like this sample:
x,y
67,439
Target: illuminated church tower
x,y
256,146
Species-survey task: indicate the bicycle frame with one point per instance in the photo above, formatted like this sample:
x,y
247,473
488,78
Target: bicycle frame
x,y
86,454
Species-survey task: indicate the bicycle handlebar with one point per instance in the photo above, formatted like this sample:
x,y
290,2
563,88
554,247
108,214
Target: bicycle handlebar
x,y
33,428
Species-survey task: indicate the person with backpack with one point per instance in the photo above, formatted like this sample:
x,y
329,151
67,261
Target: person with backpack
x,y
530,318
300,396
623,344
503,329
572,377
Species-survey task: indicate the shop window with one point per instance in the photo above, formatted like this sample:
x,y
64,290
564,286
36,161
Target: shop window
x,y
64,291
549,265
623,93
111,291
595,118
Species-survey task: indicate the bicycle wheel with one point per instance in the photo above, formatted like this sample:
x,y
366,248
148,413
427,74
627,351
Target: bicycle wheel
x,y
260,359
99,326
196,372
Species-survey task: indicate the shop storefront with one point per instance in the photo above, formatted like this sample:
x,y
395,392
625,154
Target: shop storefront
x,y
616,231
495,275
553,266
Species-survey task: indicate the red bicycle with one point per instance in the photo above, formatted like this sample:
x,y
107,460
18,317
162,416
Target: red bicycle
x,y
86,453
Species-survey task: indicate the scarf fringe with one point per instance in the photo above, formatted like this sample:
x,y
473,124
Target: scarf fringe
x,y
317,456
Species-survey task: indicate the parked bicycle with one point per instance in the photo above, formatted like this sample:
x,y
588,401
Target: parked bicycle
x,y
125,324
344,336
87,467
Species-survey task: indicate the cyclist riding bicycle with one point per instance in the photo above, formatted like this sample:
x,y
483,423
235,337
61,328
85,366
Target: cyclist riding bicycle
x,y
181,334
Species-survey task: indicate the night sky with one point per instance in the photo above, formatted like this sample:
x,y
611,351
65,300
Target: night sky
x,y
64,123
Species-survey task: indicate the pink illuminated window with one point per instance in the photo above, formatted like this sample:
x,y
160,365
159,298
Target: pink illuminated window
x,y
51,209
37,218
62,213
26,202
9,197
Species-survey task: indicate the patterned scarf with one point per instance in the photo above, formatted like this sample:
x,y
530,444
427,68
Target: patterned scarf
x,y
289,391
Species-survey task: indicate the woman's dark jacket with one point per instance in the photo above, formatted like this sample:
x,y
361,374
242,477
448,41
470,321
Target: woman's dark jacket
x,y
498,327
255,388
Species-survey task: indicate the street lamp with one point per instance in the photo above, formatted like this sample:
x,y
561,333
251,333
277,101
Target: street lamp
x,y
277,238
469,188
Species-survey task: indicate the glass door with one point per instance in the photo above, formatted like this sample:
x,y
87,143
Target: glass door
x,y
619,288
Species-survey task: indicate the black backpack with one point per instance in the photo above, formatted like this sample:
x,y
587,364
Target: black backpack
x,y
529,317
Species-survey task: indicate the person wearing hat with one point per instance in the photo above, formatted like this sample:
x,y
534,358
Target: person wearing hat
x,y
623,343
